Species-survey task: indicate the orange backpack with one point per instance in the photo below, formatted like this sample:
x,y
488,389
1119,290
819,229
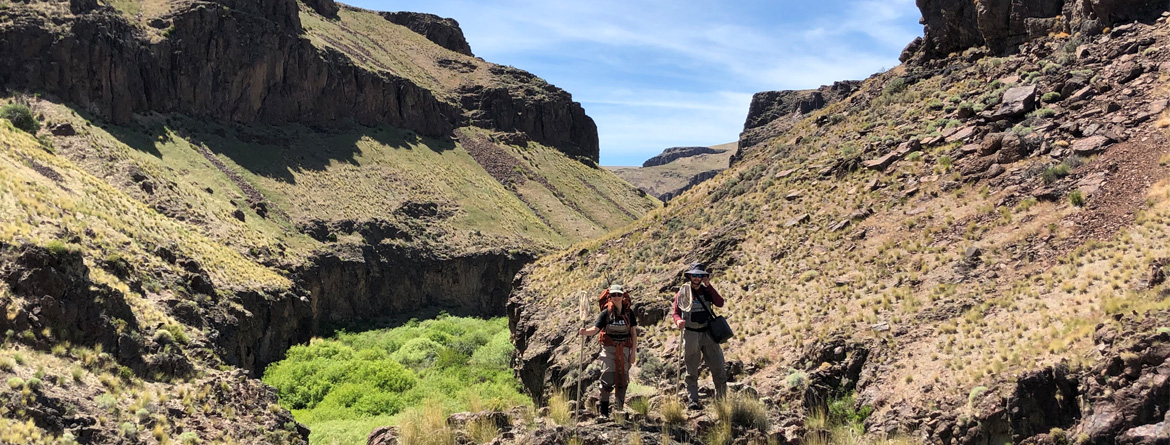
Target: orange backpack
x,y
603,304
603,300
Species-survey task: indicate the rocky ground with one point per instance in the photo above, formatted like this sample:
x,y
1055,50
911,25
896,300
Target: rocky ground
x,y
955,242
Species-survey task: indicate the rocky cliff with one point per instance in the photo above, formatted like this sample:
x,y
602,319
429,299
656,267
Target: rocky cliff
x,y
771,112
250,62
218,181
674,153
1000,25
443,31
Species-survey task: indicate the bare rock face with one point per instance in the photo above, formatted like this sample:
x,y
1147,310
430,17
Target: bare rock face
x,y
443,31
327,8
246,62
674,153
524,102
770,106
955,25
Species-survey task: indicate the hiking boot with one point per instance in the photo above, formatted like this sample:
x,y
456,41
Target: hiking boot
x,y
694,406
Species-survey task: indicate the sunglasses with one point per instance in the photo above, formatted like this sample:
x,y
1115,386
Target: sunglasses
x,y
697,275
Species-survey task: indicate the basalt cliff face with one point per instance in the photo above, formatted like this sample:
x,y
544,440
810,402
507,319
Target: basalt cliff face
x,y
773,112
251,62
1001,26
968,248
213,182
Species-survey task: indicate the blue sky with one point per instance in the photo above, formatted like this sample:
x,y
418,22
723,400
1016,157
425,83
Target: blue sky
x,y
657,74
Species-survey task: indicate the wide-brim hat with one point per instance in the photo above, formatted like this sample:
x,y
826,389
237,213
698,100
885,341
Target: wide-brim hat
x,y
696,269
617,289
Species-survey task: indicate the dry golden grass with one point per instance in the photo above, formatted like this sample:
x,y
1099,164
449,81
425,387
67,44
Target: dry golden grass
x,y
559,410
426,425
792,287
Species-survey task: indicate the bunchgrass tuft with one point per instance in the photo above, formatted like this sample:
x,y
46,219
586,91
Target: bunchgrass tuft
x,y
426,425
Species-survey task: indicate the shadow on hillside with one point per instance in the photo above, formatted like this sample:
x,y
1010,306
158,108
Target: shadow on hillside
x,y
276,152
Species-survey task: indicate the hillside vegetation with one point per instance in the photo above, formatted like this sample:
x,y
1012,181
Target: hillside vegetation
x,y
344,387
896,244
162,242
668,180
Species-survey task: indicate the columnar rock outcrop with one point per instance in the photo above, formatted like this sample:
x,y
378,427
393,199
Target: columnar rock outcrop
x,y
443,31
249,61
674,153
1001,25
245,64
770,106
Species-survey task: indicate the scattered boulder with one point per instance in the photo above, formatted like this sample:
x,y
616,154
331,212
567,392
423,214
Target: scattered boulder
x,y
959,134
798,220
991,144
839,225
500,419
1016,102
861,214
1129,71
63,129
384,435
1090,145
1011,149
880,163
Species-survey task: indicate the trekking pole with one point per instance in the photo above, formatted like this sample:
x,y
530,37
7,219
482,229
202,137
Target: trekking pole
x,y
582,312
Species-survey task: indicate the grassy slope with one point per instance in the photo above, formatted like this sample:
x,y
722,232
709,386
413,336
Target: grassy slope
x,y
357,174
50,201
674,175
792,288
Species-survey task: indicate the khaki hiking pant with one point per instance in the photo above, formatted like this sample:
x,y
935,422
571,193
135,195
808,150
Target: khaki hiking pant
x,y
609,372
700,345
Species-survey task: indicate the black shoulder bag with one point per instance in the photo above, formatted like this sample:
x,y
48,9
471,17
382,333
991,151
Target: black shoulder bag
x,y
718,328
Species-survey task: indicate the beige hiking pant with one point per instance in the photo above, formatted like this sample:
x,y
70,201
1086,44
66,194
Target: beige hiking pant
x,y
700,345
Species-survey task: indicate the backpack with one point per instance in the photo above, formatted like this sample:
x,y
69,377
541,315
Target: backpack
x,y
603,301
603,304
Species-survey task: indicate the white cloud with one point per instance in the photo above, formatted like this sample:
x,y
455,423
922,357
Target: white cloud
x,y
659,73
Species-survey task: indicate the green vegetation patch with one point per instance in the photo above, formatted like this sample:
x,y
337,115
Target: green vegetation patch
x,y
21,117
344,386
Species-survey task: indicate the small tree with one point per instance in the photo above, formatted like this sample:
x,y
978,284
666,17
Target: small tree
x,y
21,117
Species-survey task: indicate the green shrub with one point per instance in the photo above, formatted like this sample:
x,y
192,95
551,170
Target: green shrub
x,y
57,247
975,393
460,363
21,117
895,86
797,379
1044,113
189,438
1076,198
1050,97
1052,174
